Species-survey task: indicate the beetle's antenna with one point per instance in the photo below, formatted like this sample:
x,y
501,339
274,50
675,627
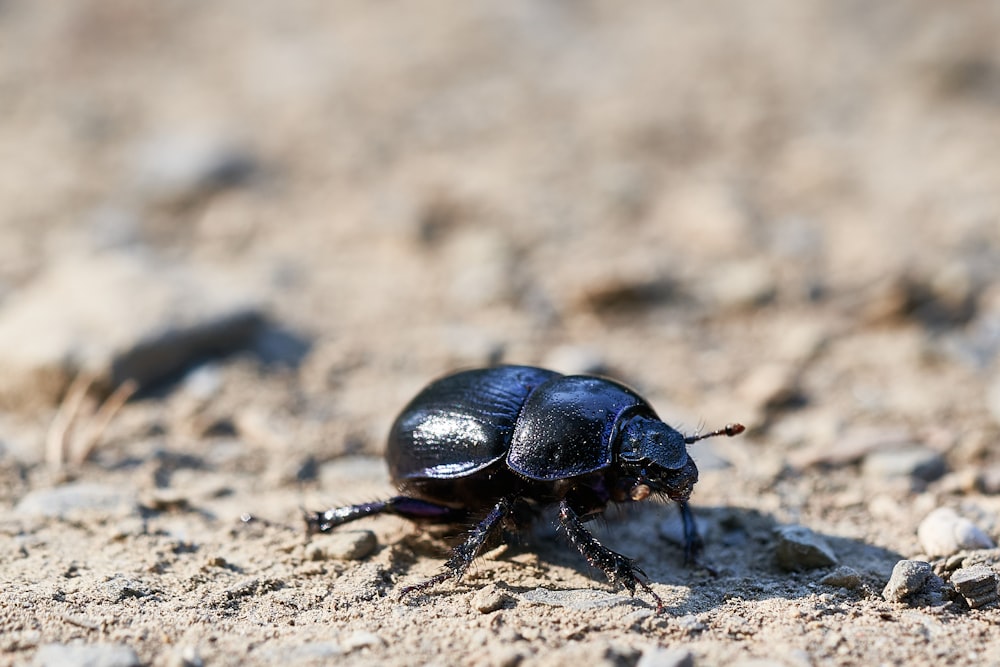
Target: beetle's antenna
x,y
729,430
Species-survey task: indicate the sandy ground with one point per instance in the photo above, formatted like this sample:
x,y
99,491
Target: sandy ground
x,y
784,214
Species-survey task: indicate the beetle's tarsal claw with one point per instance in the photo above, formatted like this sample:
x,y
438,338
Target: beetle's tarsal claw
x,y
620,570
427,583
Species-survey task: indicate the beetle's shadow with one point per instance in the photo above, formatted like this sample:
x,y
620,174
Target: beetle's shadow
x,y
740,546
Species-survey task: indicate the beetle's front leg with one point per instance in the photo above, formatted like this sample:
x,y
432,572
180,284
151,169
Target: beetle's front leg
x,y
487,531
693,544
619,569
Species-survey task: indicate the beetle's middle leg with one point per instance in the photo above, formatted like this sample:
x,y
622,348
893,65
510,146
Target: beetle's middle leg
x,y
404,506
486,532
619,569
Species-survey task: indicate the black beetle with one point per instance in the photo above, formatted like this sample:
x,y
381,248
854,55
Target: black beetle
x,y
496,445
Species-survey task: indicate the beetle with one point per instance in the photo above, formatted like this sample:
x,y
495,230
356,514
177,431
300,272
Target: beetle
x,y
495,446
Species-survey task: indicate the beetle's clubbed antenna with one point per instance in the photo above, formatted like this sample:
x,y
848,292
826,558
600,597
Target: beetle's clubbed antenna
x,y
729,430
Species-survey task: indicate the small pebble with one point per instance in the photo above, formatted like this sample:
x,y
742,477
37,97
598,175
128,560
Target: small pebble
x,y
343,545
119,588
943,532
988,480
666,657
852,446
959,482
843,577
799,548
952,563
489,598
977,584
913,582
179,168
913,461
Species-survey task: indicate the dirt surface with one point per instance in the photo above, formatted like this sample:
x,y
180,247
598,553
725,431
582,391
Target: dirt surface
x,y
781,213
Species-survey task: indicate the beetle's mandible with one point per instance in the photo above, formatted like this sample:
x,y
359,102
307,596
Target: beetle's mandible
x,y
495,446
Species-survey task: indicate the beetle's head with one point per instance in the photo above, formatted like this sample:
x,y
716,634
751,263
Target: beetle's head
x,y
653,458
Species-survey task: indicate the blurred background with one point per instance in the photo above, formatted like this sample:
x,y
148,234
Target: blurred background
x,y
741,211
236,237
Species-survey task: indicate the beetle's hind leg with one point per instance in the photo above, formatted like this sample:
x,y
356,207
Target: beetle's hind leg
x,y
619,569
486,532
404,506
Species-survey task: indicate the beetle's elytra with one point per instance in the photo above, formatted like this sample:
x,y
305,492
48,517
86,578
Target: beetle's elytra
x,y
497,445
